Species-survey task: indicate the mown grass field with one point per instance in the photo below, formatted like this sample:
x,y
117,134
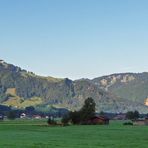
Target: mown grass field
x,y
33,134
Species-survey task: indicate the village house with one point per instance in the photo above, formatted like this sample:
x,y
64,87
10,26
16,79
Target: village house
x,y
1,117
141,122
98,120
37,117
23,115
46,117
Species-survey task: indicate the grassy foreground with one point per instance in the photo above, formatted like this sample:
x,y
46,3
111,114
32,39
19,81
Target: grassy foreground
x,y
33,134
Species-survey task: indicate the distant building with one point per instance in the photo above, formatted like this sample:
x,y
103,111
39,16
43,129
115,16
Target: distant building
x,y
98,120
23,115
47,117
1,117
37,117
140,122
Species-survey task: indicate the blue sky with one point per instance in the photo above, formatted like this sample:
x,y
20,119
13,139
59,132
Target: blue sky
x,y
75,38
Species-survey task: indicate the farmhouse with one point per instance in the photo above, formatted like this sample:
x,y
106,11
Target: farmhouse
x,y
37,117
140,122
98,120
23,115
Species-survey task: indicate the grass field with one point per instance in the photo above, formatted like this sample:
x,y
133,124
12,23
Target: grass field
x,y
33,134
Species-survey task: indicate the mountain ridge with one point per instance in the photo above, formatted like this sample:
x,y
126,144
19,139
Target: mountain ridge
x,y
20,88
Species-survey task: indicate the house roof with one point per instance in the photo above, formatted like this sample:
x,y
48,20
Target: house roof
x,y
142,119
100,117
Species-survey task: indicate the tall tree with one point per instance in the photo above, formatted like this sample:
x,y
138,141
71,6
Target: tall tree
x,y
136,114
88,110
84,114
132,115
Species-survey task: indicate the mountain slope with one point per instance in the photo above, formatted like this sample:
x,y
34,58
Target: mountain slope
x,y
133,86
20,89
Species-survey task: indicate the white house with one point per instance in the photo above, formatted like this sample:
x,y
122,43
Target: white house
x,y
1,117
37,117
23,115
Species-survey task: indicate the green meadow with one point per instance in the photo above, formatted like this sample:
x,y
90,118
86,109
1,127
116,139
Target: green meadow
x,y
36,134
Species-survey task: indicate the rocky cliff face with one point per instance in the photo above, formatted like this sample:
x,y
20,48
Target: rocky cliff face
x,y
108,81
132,86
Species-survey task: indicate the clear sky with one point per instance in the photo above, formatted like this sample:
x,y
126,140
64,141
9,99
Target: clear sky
x,y
75,38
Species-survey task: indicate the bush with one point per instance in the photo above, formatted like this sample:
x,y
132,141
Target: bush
x,y
128,123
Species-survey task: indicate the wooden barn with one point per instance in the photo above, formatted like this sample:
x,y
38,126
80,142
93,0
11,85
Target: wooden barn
x,y
98,120
140,122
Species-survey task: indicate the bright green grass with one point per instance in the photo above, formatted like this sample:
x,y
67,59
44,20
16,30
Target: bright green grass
x,y
22,134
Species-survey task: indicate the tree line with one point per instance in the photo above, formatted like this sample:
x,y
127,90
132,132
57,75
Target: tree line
x,y
81,116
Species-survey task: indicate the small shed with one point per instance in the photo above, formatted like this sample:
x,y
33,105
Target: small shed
x,y
98,120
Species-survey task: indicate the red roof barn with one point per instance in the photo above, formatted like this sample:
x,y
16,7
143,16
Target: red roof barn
x,y
100,120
